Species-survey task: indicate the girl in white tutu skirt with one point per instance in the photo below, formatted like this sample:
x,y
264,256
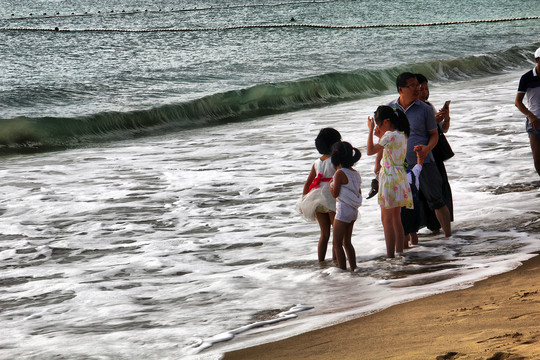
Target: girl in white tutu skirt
x,y
317,204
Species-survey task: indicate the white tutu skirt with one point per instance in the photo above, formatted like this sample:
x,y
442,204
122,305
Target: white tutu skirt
x,y
317,200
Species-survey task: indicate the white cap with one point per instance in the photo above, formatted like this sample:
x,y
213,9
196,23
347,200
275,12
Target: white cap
x,y
537,53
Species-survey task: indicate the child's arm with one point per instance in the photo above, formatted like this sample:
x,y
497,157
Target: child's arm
x,y
420,156
309,180
418,167
371,147
339,179
378,166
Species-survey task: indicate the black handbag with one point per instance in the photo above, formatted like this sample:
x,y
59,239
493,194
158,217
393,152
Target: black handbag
x,y
442,151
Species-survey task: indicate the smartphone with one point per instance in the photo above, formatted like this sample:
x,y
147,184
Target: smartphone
x,y
446,104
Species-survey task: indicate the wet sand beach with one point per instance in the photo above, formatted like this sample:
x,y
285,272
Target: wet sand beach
x,y
497,318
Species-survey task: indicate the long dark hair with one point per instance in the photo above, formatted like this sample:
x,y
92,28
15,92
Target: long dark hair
x,y
421,78
397,118
344,154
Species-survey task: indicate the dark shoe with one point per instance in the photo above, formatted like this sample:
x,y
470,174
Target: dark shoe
x,y
374,188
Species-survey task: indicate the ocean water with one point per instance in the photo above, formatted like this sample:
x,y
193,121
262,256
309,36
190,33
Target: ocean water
x,y
153,152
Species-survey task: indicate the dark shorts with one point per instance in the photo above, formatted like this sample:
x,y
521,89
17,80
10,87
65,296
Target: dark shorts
x,y
431,186
530,130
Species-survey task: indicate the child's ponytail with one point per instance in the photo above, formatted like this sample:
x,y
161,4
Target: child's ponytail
x,y
344,154
402,123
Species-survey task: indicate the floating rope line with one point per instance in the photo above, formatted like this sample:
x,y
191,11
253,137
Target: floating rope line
x,y
270,26
131,12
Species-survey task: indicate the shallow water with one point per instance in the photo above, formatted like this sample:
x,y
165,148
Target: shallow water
x,y
147,206
158,248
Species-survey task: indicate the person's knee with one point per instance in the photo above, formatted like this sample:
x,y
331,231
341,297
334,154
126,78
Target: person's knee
x,y
536,160
325,230
325,236
535,147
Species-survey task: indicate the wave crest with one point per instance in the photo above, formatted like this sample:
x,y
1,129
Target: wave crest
x,y
18,134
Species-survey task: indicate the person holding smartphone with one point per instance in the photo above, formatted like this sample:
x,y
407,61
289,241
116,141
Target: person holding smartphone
x,y
443,122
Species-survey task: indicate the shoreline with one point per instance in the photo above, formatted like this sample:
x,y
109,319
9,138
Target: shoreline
x,y
496,318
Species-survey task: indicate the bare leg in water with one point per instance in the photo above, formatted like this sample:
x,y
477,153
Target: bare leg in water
x,y
343,239
535,147
325,221
393,231
443,215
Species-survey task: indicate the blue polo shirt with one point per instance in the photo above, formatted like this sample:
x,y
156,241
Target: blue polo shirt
x,y
529,84
421,120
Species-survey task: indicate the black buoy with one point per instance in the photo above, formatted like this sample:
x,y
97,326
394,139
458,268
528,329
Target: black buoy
x,y
56,29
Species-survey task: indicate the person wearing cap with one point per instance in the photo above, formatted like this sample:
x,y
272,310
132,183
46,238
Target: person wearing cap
x,y
529,87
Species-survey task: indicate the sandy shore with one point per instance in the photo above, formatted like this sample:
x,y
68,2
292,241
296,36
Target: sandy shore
x,y
498,318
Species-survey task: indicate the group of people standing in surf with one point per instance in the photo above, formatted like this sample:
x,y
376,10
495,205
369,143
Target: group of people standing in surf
x,y
411,183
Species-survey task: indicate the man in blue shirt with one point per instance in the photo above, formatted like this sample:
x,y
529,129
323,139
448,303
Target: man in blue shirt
x,y
529,87
424,135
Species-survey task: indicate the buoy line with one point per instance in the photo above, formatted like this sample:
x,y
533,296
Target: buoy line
x,y
271,26
57,14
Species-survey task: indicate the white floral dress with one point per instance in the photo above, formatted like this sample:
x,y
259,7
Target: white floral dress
x,y
394,189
